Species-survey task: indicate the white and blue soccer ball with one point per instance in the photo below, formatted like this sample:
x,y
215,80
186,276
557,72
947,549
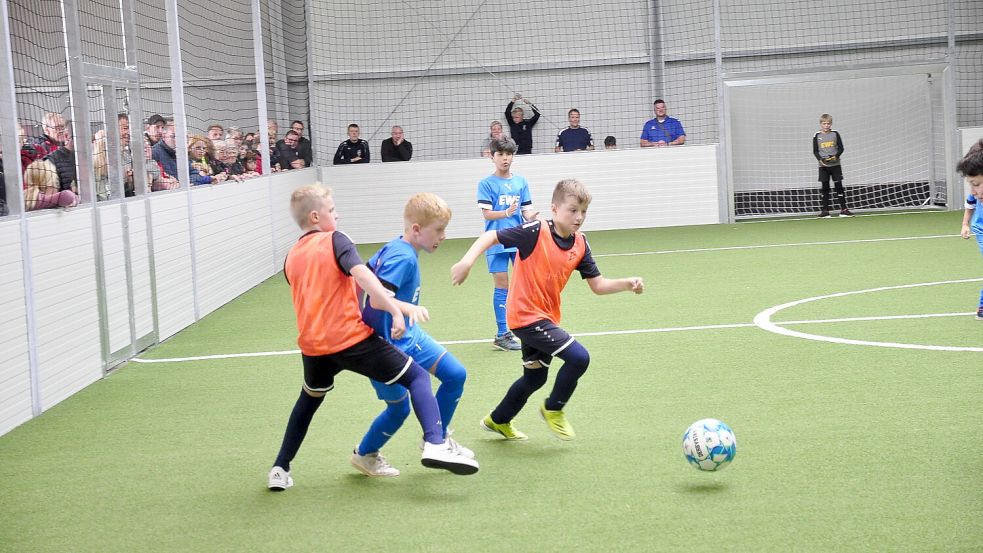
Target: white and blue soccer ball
x,y
709,444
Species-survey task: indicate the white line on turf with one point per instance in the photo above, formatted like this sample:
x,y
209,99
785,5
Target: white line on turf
x,y
763,320
786,245
579,334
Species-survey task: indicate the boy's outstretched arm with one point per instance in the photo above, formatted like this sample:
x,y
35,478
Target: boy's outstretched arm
x,y
381,298
460,270
600,285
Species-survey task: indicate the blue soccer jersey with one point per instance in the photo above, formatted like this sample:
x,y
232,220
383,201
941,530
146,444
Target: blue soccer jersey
x,y
976,223
497,194
397,265
668,130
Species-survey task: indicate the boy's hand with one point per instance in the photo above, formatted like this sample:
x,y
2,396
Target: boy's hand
x,y
636,285
417,314
398,328
965,231
512,209
459,272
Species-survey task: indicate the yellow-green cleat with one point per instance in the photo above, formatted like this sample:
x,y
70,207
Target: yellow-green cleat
x,y
557,422
505,429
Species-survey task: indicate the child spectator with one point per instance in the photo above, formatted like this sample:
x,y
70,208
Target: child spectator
x,y
519,127
251,165
827,146
574,138
397,266
495,132
505,201
971,167
42,189
201,159
549,252
610,143
322,269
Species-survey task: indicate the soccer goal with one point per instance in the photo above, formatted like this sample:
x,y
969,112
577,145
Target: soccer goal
x,y
890,120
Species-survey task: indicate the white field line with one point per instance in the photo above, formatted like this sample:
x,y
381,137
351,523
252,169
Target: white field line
x,y
580,334
785,245
806,217
763,320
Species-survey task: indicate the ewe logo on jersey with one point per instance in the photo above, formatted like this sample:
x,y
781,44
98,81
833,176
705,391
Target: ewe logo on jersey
x,y
507,199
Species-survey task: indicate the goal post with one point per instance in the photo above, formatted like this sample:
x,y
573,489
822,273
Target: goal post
x,y
891,120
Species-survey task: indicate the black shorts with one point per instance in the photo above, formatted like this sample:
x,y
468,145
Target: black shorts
x,y
373,357
835,172
541,341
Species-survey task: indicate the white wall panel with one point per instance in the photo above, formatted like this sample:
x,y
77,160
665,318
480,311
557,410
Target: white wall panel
x,y
285,229
631,189
15,378
172,258
114,276
233,247
140,262
66,303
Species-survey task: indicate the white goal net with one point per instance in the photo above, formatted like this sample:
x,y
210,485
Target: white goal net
x,y
892,132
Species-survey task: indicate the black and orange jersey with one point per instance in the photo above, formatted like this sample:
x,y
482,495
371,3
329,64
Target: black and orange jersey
x,y
543,267
318,269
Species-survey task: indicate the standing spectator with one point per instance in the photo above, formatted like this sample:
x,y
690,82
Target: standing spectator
x,y
827,146
396,148
234,135
201,156
156,179
303,143
288,152
55,132
154,129
353,150
495,132
164,151
662,130
519,127
64,161
574,137
216,132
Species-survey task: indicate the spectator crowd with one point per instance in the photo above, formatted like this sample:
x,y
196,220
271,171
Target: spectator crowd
x,y
222,154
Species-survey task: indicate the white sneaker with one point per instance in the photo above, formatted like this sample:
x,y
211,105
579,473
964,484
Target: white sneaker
x,y
443,456
279,479
373,464
454,444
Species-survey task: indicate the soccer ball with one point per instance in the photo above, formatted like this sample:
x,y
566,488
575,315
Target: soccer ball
x,y
709,444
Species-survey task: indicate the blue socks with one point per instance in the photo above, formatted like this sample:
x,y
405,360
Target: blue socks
x,y
417,381
498,302
300,420
385,426
451,374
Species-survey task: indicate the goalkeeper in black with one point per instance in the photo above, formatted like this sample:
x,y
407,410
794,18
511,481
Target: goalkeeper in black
x,y
827,146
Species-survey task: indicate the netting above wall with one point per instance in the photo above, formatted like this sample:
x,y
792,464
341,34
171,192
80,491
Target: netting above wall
x,y
444,71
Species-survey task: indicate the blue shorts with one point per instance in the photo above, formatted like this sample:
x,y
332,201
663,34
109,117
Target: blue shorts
x,y
541,341
499,262
979,241
426,353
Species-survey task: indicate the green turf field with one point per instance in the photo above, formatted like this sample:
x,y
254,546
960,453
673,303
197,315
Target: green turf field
x,y
841,446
